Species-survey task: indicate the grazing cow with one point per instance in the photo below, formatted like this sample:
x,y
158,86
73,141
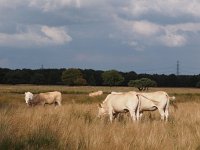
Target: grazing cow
x,y
154,100
98,93
43,98
120,103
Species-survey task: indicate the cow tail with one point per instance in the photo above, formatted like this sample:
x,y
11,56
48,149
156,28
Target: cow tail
x,y
138,107
172,98
172,102
106,98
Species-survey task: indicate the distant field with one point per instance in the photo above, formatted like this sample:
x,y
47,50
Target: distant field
x,y
75,126
86,89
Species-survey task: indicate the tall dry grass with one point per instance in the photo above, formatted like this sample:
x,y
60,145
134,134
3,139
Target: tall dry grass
x,y
75,126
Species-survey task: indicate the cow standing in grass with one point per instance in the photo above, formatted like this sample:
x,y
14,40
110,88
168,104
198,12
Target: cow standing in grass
x,y
120,103
43,98
156,100
152,101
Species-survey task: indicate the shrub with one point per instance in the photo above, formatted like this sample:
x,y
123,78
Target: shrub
x,y
142,84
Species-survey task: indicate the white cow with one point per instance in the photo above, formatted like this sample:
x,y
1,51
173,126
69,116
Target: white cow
x,y
120,103
98,93
43,98
116,92
154,100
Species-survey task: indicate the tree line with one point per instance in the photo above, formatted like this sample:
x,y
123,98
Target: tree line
x,y
92,77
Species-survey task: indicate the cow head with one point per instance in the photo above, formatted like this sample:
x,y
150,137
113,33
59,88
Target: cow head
x,y
28,97
102,110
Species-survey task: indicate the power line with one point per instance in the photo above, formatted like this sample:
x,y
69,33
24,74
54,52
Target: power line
x,y
42,67
177,68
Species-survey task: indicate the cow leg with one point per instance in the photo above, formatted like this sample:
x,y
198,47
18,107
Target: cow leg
x,y
43,104
115,115
133,114
140,115
167,112
58,103
162,113
138,108
110,115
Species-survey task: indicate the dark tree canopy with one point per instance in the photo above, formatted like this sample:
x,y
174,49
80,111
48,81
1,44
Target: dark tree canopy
x,y
17,77
73,76
198,84
92,77
112,78
38,78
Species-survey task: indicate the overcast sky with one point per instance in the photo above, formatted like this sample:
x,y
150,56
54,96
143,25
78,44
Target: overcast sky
x,y
131,35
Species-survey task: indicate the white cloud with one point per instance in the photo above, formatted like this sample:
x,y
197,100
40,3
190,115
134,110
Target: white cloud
x,y
177,35
54,4
57,35
145,28
12,4
144,33
135,45
45,5
184,27
57,5
40,36
129,17
173,40
171,8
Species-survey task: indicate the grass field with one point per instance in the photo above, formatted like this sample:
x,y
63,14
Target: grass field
x,y
75,125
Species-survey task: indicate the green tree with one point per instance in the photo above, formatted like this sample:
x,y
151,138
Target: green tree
x,y
38,78
89,75
136,83
129,76
112,78
198,84
142,84
16,77
73,76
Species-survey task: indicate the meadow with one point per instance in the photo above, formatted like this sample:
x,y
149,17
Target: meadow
x,y
75,126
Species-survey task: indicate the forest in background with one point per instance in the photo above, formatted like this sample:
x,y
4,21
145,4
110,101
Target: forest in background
x,y
92,77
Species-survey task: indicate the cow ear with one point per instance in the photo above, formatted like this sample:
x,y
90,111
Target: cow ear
x,y
100,106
